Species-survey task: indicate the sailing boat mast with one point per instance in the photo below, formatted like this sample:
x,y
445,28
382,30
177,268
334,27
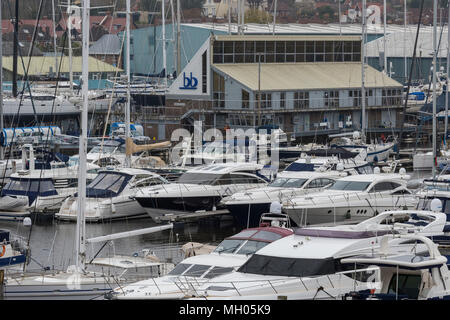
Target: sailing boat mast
x,y
274,17
178,37
164,43
446,83
69,34
54,35
1,88
384,37
127,109
363,89
81,231
15,47
434,86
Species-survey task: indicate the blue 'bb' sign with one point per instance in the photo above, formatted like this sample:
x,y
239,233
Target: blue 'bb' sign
x,y
189,83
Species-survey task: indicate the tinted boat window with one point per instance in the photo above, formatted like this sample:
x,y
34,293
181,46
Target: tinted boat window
x,y
179,269
217,271
288,267
251,247
228,246
266,235
197,270
350,185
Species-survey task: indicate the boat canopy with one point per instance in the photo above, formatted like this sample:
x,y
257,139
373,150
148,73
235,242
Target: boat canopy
x,y
107,184
30,187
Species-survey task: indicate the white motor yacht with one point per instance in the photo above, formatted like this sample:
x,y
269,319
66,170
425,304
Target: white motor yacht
x,y
308,265
247,206
405,275
110,195
200,189
355,197
39,191
190,273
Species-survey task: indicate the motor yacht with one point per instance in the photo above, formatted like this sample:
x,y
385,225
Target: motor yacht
x,y
355,197
191,272
39,191
247,206
200,189
308,265
405,275
110,195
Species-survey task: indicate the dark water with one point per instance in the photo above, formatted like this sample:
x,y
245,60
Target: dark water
x,y
53,243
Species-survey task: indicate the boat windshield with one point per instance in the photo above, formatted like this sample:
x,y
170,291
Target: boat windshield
x,y
105,149
28,185
198,270
350,185
107,184
288,182
198,178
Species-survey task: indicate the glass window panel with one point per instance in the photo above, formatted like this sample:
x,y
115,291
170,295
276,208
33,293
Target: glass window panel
x,y
290,58
328,57
270,58
281,58
179,269
197,270
218,46
218,58
300,47
238,47
270,46
290,47
347,57
281,46
329,46
228,47
309,46
239,58
260,46
320,46
309,58
299,58
228,58
319,57
348,46
249,46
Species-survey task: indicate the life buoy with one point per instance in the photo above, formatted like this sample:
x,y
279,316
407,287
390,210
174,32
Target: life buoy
x,y
2,253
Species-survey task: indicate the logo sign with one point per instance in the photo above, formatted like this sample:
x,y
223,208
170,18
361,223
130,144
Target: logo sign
x,y
189,83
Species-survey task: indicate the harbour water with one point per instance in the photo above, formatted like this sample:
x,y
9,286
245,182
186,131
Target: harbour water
x,y
53,243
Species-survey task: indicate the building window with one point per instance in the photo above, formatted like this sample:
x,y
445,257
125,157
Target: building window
x,y
218,91
331,99
356,97
392,97
282,100
266,100
245,100
242,51
204,74
301,100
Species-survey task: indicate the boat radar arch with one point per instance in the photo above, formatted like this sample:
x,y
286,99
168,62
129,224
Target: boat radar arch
x,y
436,205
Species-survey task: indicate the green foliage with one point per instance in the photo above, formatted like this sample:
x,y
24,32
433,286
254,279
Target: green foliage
x,y
257,16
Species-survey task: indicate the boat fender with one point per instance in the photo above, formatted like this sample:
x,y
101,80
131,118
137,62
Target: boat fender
x,y
2,253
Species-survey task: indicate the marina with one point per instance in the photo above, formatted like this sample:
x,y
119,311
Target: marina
x,y
145,155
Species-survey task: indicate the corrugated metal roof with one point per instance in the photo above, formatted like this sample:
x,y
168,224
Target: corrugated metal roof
x,y
307,28
305,76
42,65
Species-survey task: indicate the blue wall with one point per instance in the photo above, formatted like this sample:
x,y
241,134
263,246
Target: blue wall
x,y
146,47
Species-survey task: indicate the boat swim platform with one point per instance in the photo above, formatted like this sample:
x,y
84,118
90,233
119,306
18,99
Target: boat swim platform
x,y
189,217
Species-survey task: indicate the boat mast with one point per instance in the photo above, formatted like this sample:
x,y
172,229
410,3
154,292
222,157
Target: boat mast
x,y
404,38
173,40
448,69
1,88
363,89
127,109
81,224
164,43
15,47
54,36
384,37
69,34
434,86
178,37
274,16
